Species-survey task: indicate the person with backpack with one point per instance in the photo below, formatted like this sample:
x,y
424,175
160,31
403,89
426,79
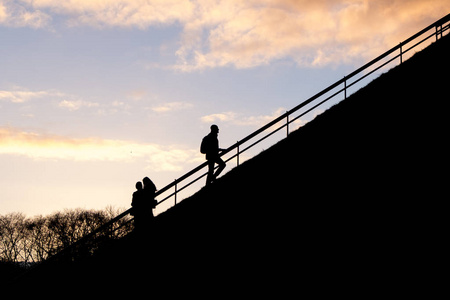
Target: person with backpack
x,y
210,147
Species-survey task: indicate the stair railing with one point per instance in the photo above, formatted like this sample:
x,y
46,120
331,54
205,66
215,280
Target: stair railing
x,y
440,27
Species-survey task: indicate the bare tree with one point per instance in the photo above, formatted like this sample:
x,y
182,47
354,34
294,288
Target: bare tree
x,y
123,226
41,239
11,236
35,239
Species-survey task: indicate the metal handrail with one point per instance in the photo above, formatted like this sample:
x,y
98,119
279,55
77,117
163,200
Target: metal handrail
x,y
438,32
438,25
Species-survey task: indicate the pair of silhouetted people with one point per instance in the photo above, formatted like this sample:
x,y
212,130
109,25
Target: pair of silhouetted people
x,y
210,147
143,203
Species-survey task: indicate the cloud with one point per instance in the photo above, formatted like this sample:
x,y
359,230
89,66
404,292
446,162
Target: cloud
x,y
240,120
58,99
3,13
137,94
122,13
41,146
21,96
77,104
172,106
253,121
246,34
222,117
13,14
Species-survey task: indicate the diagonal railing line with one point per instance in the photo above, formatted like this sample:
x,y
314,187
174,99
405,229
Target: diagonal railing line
x,y
439,32
306,102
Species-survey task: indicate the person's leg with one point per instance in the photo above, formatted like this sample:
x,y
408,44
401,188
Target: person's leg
x,y
210,176
222,166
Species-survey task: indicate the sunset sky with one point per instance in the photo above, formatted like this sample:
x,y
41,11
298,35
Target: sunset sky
x,y
97,94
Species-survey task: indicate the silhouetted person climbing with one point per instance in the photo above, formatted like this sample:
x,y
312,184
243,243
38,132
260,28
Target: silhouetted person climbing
x,y
210,147
143,202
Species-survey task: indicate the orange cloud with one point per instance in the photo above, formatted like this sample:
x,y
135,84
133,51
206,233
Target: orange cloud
x,y
312,33
245,34
15,15
44,146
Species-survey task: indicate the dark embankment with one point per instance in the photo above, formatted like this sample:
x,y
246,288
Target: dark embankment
x,y
330,209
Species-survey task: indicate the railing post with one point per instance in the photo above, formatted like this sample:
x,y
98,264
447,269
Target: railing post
x,y
237,155
175,192
401,54
287,124
345,88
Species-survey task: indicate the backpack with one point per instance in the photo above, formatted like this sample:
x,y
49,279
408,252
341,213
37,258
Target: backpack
x,y
205,145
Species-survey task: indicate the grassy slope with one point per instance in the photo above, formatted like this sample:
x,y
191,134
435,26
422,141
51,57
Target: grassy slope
x,y
327,208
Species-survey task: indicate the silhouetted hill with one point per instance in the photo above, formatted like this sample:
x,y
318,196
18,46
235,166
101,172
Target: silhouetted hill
x,y
330,209
338,198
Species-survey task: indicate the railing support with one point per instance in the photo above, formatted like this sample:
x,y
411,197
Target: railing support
x,y
401,54
439,31
237,155
287,123
176,191
345,88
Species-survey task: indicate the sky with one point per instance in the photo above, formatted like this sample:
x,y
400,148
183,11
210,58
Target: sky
x,y
97,94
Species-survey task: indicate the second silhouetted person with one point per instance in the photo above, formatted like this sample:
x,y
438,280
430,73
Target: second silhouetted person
x,y
210,147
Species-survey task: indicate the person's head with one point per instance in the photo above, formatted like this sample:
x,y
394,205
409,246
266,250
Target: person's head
x,y
148,184
214,128
139,185
146,181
